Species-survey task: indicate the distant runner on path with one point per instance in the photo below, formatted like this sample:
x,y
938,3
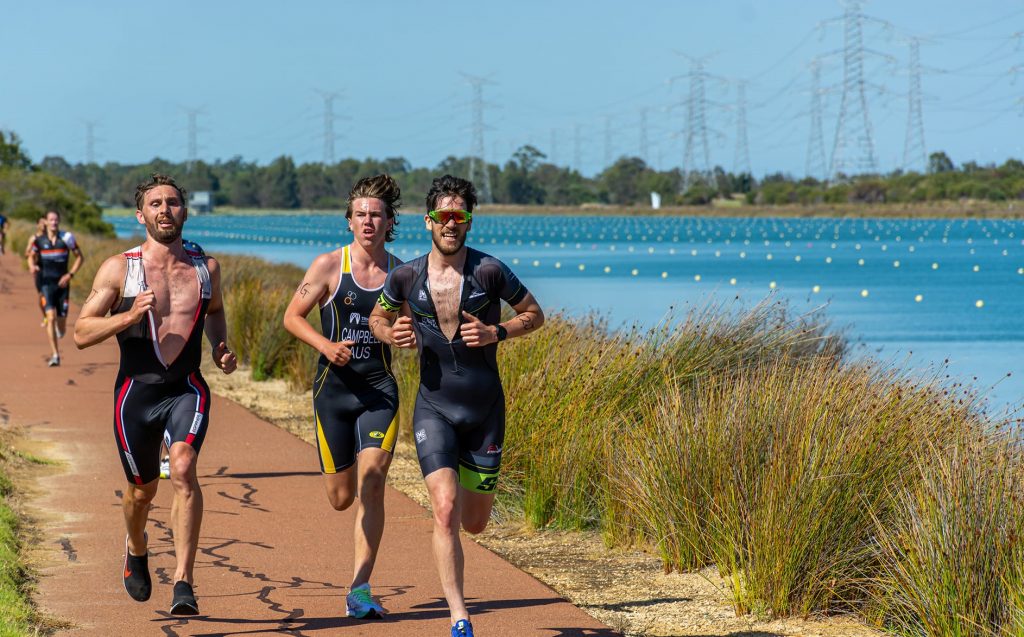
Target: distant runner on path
x,y
455,295
3,233
160,297
355,397
40,231
48,259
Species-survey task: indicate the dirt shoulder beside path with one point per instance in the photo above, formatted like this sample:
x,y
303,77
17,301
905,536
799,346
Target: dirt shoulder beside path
x,y
274,558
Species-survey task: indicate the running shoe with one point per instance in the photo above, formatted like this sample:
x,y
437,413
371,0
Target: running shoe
x,y
136,574
462,628
165,467
54,361
184,602
361,605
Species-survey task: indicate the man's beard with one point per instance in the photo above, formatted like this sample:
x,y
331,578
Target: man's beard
x,y
460,241
164,236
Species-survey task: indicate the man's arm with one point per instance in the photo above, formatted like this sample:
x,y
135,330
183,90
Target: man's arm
x,y
313,290
216,322
386,329
93,325
33,256
529,317
66,279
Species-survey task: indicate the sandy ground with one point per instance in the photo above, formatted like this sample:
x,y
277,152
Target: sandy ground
x,y
625,589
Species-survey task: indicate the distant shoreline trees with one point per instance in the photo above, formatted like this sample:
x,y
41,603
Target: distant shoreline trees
x,y
527,178
26,191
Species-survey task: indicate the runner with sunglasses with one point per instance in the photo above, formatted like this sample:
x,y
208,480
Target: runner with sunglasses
x,y
455,295
355,397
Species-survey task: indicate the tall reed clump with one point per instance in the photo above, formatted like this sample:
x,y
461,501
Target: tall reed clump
x,y
777,475
952,563
576,391
256,294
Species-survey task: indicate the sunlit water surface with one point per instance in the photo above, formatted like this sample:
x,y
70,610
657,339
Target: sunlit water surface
x,y
915,291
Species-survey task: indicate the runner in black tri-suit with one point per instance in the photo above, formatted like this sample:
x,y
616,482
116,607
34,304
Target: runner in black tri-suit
x,y
159,393
40,299
455,294
355,397
3,233
48,260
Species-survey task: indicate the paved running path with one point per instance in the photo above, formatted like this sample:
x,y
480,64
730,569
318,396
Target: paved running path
x,y
274,558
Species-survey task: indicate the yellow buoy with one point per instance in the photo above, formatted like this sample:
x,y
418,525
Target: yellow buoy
x,y
864,293
919,298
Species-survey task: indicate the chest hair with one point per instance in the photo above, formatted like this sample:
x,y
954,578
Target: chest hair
x,y
446,292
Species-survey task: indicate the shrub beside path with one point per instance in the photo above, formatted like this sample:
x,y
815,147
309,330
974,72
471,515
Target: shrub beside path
x,y
274,558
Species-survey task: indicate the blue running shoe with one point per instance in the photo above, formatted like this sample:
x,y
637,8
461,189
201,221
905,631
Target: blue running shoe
x,y
462,628
360,604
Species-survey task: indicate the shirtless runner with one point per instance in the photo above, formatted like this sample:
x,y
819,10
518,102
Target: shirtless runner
x,y
158,299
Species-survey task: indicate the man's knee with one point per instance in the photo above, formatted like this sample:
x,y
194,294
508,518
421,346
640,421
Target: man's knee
x,y
474,525
372,483
341,488
340,499
140,495
183,473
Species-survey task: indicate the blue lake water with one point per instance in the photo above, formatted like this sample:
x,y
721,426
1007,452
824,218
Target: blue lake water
x,y
915,291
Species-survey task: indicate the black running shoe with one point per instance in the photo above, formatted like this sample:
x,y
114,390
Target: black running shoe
x,y
184,602
136,575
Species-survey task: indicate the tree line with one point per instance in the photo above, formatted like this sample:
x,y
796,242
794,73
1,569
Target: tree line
x,y
26,191
527,178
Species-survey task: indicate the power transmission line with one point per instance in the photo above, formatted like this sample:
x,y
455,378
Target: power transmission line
x,y
90,142
643,136
696,122
329,136
554,147
577,148
476,153
192,148
607,141
914,153
815,166
853,121
741,163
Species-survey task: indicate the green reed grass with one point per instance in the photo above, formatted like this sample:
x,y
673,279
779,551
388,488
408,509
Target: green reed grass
x,y
952,561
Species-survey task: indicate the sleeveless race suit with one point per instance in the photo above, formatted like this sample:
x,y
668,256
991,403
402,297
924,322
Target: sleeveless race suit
x,y
53,264
154,400
459,418
354,405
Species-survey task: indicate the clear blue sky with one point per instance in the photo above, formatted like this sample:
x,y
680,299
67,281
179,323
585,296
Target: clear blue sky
x,y
253,68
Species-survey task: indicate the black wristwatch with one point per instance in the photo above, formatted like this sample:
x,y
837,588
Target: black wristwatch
x,y
502,333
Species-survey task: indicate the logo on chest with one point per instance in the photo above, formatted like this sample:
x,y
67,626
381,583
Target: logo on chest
x,y
423,295
350,297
